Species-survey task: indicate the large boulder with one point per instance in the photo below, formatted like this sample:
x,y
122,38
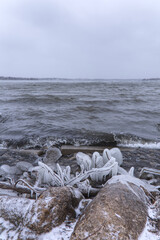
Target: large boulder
x,y
119,211
52,208
39,216
14,209
157,215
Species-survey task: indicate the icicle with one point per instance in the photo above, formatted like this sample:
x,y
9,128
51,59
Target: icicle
x,y
84,161
131,171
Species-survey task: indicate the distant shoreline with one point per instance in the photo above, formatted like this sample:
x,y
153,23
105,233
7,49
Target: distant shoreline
x,y
62,78
25,78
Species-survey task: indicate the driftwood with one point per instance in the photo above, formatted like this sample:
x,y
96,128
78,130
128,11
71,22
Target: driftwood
x,y
21,189
33,191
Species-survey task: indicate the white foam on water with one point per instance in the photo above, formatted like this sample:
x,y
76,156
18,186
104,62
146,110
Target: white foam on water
x,y
3,145
150,145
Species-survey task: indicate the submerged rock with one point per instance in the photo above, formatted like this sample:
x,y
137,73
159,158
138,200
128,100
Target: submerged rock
x,y
119,211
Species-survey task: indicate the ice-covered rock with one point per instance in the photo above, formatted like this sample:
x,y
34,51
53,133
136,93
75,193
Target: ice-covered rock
x,y
50,210
84,161
10,170
2,174
116,153
112,153
119,211
52,155
97,160
24,166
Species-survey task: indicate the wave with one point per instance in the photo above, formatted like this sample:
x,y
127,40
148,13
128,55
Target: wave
x,y
132,141
151,145
86,139
74,109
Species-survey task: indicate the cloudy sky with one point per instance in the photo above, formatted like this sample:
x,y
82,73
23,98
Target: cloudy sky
x,y
80,38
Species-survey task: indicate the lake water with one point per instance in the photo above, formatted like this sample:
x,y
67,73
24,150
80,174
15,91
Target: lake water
x,y
80,110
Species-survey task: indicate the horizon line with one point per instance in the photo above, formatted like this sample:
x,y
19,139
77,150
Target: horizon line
x,y
77,78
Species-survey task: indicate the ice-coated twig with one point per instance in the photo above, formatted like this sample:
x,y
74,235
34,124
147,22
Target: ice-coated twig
x,y
49,174
149,170
67,172
60,173
104,171
84,161
131,171
17,188
11,181
34,189
96,169
84,187
97,160
64,174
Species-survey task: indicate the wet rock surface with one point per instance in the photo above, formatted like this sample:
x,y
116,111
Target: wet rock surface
x,y
12,156
140,157
117,212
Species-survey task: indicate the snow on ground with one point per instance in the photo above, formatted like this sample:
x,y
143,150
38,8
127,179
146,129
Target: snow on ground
x,y
7,230
63,231
10,232
7,192
149,230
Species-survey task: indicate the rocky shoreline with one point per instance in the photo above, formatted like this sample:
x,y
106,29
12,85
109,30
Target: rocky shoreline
x,y
132,157
119,195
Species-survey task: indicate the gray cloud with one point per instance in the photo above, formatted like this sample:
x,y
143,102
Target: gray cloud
x,y
82,38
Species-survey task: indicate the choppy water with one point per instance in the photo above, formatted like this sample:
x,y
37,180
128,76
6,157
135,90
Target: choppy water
x,y
129,109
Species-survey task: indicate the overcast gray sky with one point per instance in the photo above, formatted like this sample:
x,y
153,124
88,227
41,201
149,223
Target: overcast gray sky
x,y
80,38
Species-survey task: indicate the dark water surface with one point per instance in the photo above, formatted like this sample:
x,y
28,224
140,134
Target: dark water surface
x,y
128,109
